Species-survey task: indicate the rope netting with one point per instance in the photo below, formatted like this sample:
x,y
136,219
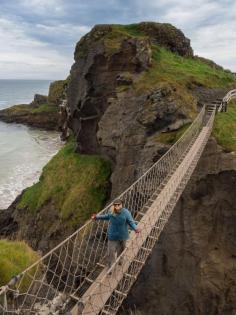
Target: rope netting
x,y
75,271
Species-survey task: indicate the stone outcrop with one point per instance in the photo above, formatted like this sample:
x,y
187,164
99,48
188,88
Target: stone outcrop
x,y
57,92
43,112
166,35
39,100
110,120
38,116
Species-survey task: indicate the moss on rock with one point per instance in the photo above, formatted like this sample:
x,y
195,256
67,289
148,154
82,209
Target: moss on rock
x,y
172,136
56,91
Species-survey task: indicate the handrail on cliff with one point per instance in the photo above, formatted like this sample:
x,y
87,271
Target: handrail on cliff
x,y
226,99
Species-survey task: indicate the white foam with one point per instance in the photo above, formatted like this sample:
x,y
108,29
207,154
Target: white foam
x,y
24,152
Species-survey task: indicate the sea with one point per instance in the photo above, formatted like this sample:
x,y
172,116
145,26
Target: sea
x,y
23,150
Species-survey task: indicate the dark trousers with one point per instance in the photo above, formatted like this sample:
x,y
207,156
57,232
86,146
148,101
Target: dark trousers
x,y
115,248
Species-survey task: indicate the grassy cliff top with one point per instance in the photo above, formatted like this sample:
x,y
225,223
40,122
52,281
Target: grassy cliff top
x,y
172,60
24,109
171,67
14,258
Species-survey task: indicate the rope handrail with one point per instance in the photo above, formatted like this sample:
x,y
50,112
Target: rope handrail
x,y
197,120
141,189
68,270
105,285
230,95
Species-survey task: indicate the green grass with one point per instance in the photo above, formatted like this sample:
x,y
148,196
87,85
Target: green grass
x,y
225,128
45,108
77,185
168,66
172,136
173,68
24,109
131,30
18,109
114,39
14,258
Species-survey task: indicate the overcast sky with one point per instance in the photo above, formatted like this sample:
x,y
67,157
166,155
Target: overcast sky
x,y
37,37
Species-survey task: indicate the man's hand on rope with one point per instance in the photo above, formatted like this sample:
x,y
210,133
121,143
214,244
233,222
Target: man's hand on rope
x,y
138,231
93,217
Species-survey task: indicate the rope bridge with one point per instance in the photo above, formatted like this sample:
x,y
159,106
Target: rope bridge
x,y
73,278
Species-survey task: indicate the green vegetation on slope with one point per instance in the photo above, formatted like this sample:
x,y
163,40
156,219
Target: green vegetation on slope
x,y
225,128
56,90
24,109
45,108
168,66
171,136
14,258
77,185
131,30
173,68
114,39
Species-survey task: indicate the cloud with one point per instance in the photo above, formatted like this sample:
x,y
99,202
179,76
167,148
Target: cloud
x,y
209,24
39,36
42,7
22,56
217,42
60,33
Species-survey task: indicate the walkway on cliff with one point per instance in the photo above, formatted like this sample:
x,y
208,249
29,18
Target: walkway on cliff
x,y
72,277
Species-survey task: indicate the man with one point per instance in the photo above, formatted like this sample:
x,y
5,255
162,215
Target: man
x,y
120,218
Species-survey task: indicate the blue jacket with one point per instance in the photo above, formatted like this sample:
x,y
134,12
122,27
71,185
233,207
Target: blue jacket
x,y
118,227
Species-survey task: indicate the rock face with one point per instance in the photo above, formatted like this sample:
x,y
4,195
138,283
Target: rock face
x,y
193,267
39,100
57,90
109,120
167,35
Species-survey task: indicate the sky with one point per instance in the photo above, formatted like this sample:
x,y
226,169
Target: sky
x,y
38,37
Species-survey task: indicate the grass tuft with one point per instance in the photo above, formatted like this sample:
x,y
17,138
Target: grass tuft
x,y
76,185
225,128
15,256
172,136
173,68
24,109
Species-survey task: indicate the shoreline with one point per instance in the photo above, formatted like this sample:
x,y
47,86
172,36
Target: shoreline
x,y
24,154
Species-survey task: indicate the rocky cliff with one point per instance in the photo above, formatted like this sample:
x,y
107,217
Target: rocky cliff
x,y
132,90
122,94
